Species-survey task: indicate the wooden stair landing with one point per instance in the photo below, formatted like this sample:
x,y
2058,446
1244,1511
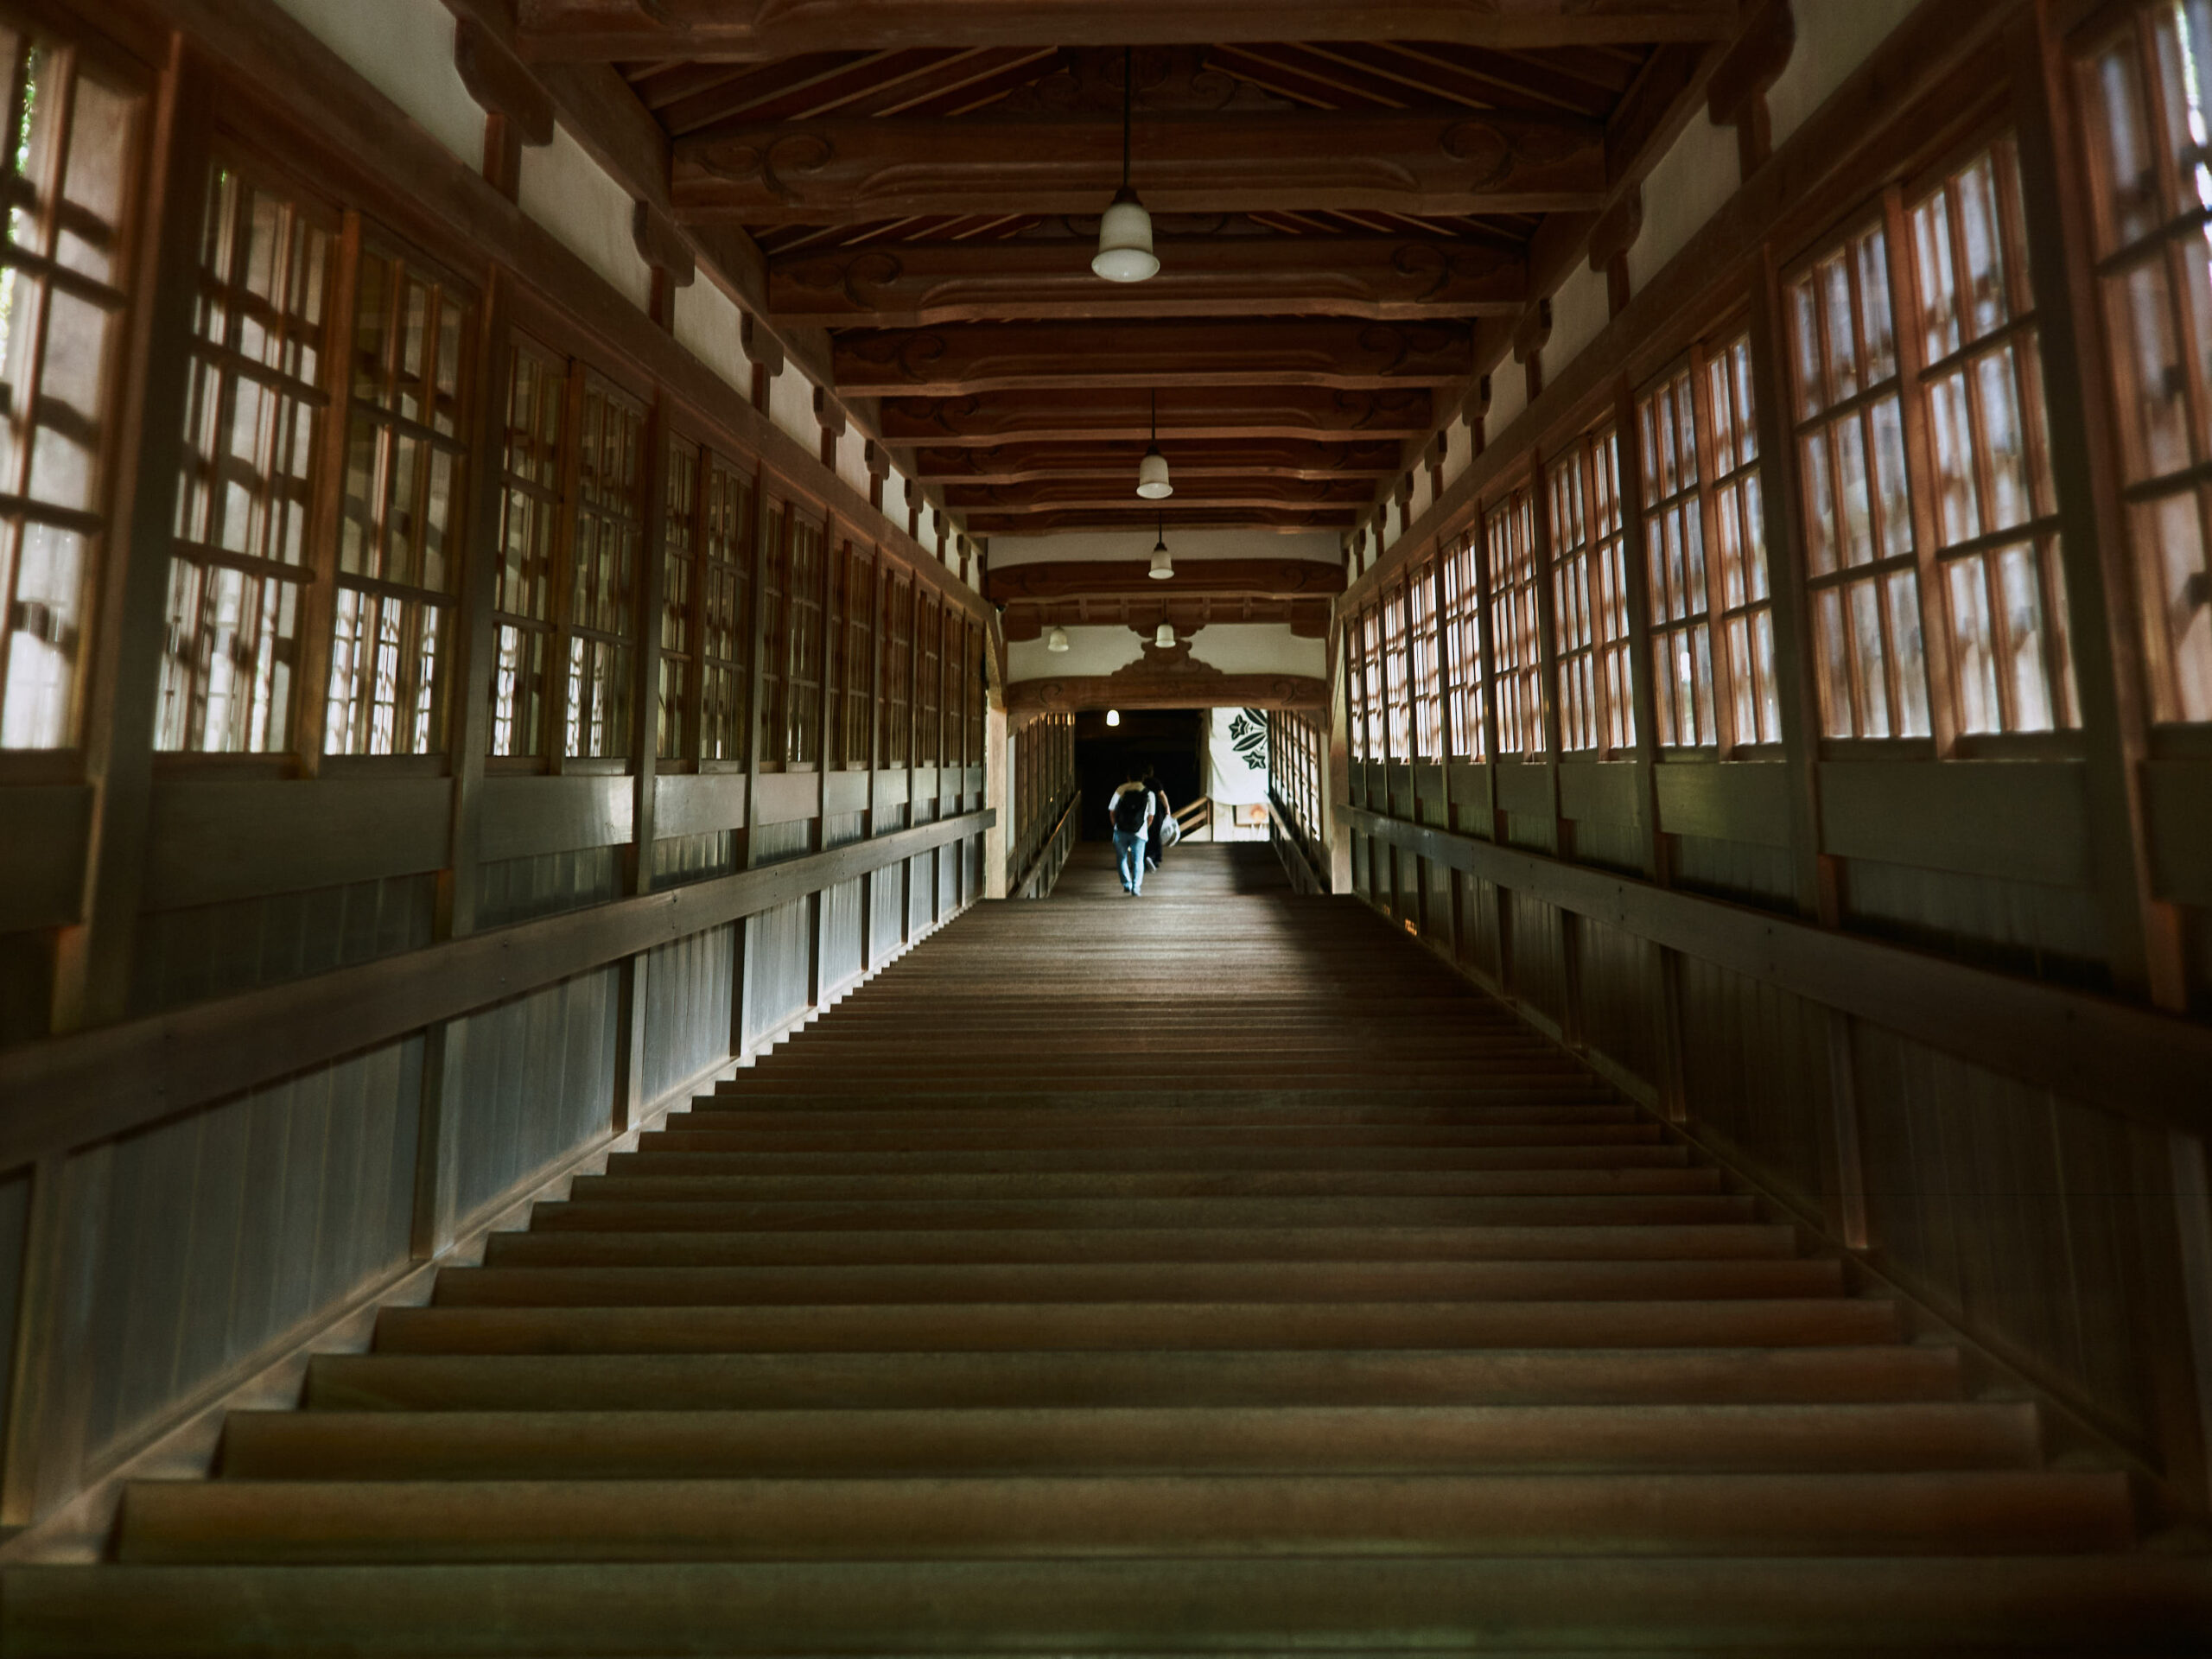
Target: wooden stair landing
x,y
1211,1273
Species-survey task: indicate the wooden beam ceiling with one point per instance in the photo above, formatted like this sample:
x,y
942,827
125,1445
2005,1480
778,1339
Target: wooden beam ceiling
x,y
1195,458
922,285
973,357
1043,580
1058,494
757,30
1307,619
1142,516
1428,163
1318,413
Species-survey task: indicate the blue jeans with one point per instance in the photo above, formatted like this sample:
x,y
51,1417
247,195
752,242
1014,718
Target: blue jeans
x,y
1128,852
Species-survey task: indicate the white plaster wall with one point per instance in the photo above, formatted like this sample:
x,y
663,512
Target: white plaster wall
x,y
563,189
1190,544
894,498
1508,396
852,460
1259,648
1580,311
1090,650
790,406
1691,183
404,49
1459,450
706,323
1834,38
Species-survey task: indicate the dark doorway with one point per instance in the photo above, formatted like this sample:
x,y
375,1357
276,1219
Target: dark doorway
x,y
1170,741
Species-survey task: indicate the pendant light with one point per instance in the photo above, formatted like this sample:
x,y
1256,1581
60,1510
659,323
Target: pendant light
x,y
1162,566
1153,482
1057,639
1164,637
1113,716
1125,252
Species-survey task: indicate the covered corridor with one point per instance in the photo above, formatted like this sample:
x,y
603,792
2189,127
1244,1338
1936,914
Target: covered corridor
x,y
1222,1274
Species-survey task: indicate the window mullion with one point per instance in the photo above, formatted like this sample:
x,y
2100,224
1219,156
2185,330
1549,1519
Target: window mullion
x,y
1910,339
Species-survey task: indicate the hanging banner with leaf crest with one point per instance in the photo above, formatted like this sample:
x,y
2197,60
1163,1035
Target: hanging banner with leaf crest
x,y
1238,756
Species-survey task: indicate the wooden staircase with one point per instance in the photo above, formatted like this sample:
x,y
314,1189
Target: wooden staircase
x,y
1213,1273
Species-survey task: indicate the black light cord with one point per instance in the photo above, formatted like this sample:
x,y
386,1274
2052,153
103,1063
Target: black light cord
x,y
1128,105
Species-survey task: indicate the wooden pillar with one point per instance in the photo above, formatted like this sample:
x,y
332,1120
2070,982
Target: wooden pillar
x,y
92,958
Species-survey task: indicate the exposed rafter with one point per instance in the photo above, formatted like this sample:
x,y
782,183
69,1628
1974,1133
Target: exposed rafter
x,y
973,358
1142,515
1429,163
1059,494
1194,458
1059,579
1306,412
920,284
752,30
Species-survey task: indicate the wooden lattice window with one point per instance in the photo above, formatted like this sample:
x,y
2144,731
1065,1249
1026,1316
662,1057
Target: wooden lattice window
x,y
929,646
70,182
861,588
2147,93
1674,547
775,633
1463,652
1589,597
607,552
400,514
1860,540
241,554
1995,508
898,645
1728,447
835,639
529,523
726,618
1374,712
679,602
1427,685
1397,704
802,684
975,694
1510,532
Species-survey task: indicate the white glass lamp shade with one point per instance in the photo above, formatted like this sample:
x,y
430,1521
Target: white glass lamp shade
x,y
1113,716
1125,252
1164,637
1162,566
1153,482
1057,639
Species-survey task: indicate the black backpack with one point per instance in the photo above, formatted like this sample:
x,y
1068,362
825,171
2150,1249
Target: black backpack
x,y
1128,810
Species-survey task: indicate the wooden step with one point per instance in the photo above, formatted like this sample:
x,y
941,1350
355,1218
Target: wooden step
x,y
1954,1512
387,1381
2106,1606
1434,1440
1570,1179
1736,1241
729,1162
1105,1149
989,1327
1135,1282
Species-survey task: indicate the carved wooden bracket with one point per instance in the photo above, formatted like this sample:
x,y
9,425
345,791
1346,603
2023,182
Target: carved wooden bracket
x,y
877,460
661,246
1475,410
1736,96
1611,239
518,110
766,352
1528,342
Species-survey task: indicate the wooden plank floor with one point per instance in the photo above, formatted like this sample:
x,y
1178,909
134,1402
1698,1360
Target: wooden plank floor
x,y
1209,1273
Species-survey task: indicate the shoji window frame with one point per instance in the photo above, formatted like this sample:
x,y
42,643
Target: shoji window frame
x,y
807,605
276,587
522,604
864,593
63,621
421,667
601,630
730,519
929,678
1467,735
1397,687
2177,640
895,640
1425,660
676,722
1514,564
774,632
1590,607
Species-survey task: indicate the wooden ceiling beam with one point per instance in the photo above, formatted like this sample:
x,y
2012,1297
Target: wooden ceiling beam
x,y
1309,413
754,30
1307,619
1143,516
1050,581
1425,164
966,358
923,284
1191,458
1059,494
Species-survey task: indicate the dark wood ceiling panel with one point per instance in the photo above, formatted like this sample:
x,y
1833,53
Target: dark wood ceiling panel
x,y
1346,199
1045,582
1313,413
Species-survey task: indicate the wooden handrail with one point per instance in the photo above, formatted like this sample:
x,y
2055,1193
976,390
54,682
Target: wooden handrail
x,y
1290,832
72,1091
1190,816
1044,846
2126,1059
